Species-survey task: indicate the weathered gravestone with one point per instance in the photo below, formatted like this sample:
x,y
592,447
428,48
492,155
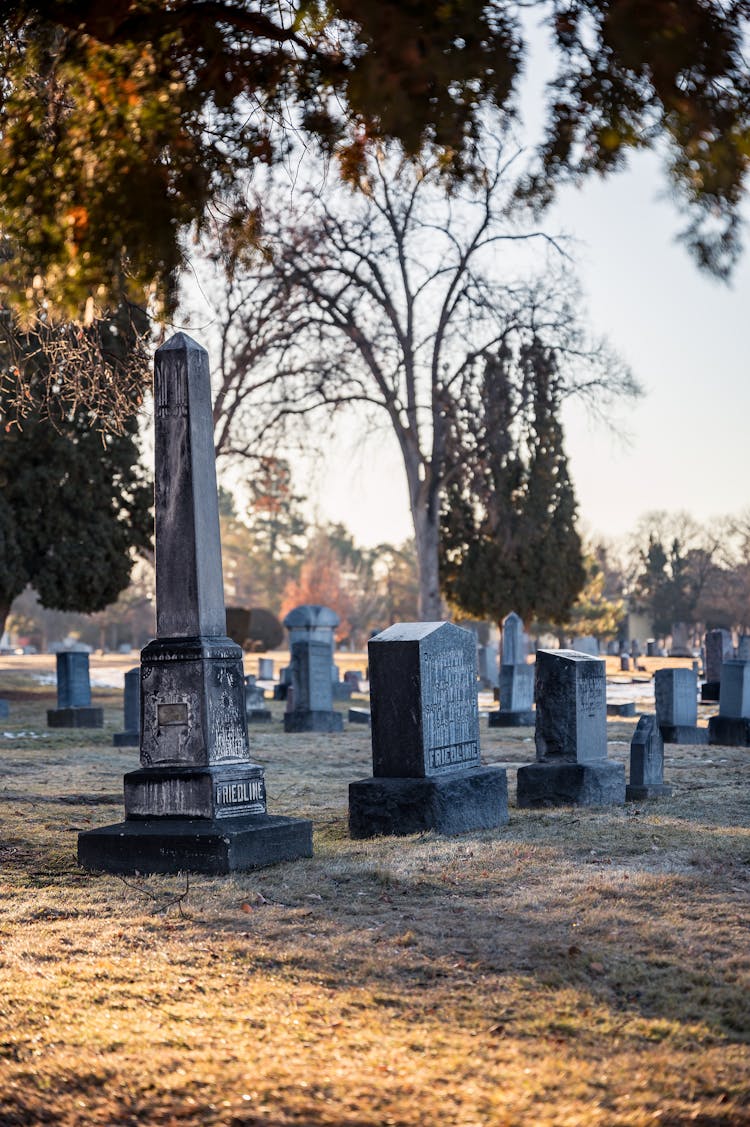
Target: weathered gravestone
x,y
131,737
340,690
680,640
571,736
265,669
719,648
283,684
427,773
311,646
198,802
255,702
625,663
74,694
487,667
652,648
646,762
587,644
676,697
732,726
516,680
743,647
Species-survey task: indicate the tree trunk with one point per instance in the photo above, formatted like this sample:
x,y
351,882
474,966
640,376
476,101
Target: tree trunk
x,y
427,533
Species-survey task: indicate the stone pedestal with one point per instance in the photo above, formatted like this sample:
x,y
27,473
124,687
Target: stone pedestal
x,y
732,726
626,708
75,718
198,802
731,731
683,734
448,804
600,783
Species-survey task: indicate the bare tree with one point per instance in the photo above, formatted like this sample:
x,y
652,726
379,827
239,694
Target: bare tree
x,y
389,297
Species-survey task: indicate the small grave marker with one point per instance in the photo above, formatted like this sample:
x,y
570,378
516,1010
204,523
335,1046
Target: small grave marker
x,y
74,694
131,737
646,763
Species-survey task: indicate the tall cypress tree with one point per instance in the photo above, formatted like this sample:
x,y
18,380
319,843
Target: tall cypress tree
x,y
508,534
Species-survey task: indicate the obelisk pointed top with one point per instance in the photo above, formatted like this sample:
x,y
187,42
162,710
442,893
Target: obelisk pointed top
x,y
180,342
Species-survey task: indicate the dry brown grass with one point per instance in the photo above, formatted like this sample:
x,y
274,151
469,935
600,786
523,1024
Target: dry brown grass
x,y
574,967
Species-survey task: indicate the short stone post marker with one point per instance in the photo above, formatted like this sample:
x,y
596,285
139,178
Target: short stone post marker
x,y
646,762
676,697
311,646
732,726
131,737
571,736
198,802
516,679
425,738
74,694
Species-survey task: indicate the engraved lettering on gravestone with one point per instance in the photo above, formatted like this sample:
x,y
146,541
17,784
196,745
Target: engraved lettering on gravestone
x,y
241,796
171,714
448,699
171,392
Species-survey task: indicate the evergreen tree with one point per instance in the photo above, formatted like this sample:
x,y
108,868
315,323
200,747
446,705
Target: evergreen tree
x,y
75,502
508,535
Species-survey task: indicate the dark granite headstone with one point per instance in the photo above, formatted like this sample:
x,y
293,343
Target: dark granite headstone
x,y
571,736
719,648
676,697
635,648
74,694
425,738
198,801
255,702
311,645
732,726
359,716
131,737
652,648
646,762
625,663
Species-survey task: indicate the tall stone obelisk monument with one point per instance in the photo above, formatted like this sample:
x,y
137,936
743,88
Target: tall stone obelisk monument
x,y
198,802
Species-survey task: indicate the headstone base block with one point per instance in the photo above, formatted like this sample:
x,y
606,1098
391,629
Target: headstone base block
x,y
222,792
509,719
313,721
126,739
627,708
683,734
710,690
75,718
635,793
259,716
456,803
730,731
600,783
359,716
280,691
173,845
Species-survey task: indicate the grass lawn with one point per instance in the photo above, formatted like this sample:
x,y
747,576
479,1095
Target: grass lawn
x,y
574,967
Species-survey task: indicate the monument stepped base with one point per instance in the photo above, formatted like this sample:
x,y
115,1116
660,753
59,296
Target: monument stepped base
x,y
75,718
126,739
455,803
313,721
635,793
600,783
683,734
730,731
510,719
214,847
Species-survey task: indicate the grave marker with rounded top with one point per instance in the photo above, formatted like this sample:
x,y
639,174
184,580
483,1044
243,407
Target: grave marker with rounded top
x,y
198,802
732,726
427,773
74,694
676,698
571,736
646,762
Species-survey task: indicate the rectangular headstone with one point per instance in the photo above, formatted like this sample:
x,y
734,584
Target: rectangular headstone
x,y
516,688
587,644
571,707
425,717
513,647
676,696
734,699
265,668
73,681
647,762
719,648
743,647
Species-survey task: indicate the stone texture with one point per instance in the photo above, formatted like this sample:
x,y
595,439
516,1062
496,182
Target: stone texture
x,y
255,706
457,803
730,731
587,644
599,783
680,640
359,716
683,734
265,669
734,698
622,708
513,649
73,681
719,648
647,762
676,697
196,769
